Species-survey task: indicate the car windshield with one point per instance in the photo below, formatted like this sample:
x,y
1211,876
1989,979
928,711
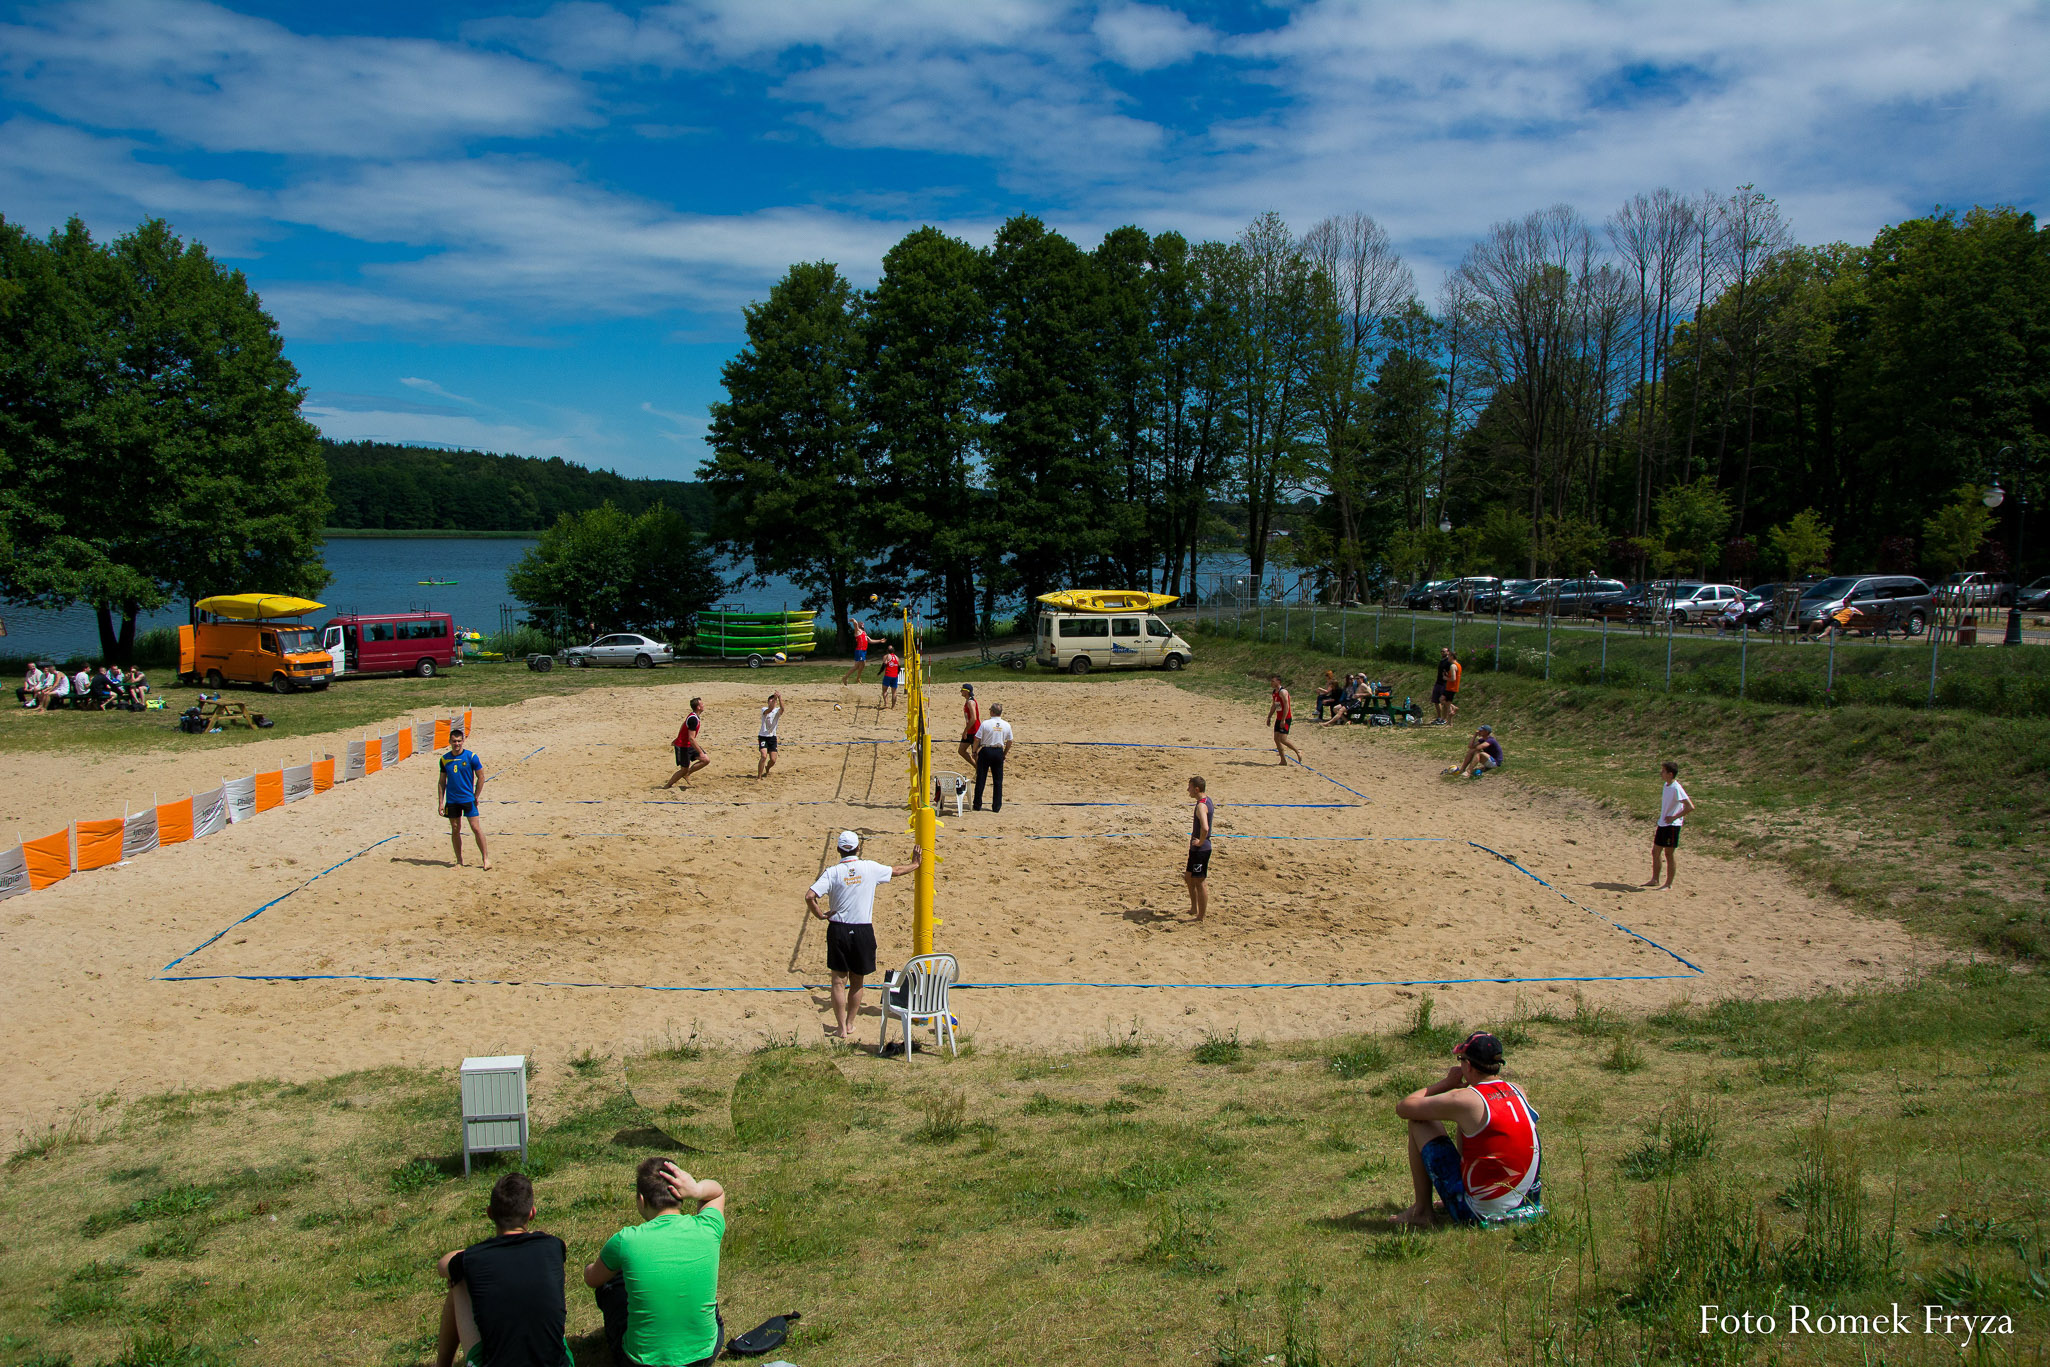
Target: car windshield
x,y
1962,577
2043,583
1518,585
298,640
1831,588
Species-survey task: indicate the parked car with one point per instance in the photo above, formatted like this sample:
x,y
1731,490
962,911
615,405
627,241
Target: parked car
x,y
1422,595
1700,602
621,648
1898,599
1536,594
1488,600
1577,597
1452,595
2035,597
1976,588
1760,601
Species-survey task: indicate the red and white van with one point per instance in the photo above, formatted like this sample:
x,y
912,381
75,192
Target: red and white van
x,y
422,643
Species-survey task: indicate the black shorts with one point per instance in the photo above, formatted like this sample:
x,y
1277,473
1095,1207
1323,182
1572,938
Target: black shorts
x,y
456,811
1666,838
687,755
1199,863
1440,693
850,948
766,743
1281,725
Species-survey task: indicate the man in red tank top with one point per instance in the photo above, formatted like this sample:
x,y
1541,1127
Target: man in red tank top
x,y
971,722
1491,1175
1281,716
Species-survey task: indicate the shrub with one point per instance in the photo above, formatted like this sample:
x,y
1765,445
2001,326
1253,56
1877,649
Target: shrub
x,y
1681,1136
1218,1049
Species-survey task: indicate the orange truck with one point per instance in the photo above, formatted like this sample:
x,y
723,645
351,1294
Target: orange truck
x,y
249,638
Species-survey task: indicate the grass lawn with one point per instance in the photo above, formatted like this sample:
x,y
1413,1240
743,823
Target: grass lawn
x,y
1131,1204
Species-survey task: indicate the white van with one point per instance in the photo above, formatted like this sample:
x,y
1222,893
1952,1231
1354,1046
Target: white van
x,y
1081,641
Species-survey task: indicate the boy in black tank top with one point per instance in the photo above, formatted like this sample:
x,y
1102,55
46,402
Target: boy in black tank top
x,y
1197,874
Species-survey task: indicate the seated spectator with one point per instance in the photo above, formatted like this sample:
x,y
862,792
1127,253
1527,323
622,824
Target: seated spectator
x,y
1329,694
657,1283
138,687
30,694
82,688
505,1305
56,690
1492,1174
103,694
1346,704
1483,753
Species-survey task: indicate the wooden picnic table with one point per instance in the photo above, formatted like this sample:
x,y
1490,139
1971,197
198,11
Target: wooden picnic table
x,y
225,710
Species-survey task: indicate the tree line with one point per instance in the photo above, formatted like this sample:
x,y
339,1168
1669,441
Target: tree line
x,y
1681,388
384,485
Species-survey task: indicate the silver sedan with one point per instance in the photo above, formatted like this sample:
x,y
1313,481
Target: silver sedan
x,y
621,648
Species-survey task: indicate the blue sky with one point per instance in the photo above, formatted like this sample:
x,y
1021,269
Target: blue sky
x,y
532,227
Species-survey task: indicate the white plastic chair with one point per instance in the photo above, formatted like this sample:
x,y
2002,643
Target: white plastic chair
x,y
924,981
951,783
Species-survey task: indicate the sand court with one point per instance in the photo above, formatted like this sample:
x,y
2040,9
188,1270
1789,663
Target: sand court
x,y
1364,868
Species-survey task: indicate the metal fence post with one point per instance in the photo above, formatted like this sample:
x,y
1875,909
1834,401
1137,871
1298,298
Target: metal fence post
x,y
1498,631
1377,625
1341,633
1284,621
1263,617
1743,653
1412,631
1829,681
1455,628
1669,647
1548,647
1605,647
1935,640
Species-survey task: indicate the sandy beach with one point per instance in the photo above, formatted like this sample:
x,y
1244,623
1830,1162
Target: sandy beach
x,y
678,911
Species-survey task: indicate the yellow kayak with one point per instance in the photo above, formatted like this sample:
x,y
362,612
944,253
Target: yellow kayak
x,y
250,607
1107,600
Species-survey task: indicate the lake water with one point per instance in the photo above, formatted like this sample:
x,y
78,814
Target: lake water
x,y
380,575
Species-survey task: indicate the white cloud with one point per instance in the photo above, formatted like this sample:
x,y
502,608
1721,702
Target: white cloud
x,y
430,387
1148,37
207,77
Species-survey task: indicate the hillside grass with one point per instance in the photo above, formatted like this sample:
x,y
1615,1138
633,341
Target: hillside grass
x,y
1137,1203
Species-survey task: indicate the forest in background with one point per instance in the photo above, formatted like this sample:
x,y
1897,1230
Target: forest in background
x,y
381,485
1681,388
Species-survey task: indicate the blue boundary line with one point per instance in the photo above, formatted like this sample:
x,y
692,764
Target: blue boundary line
x,y
1328,779
1698,969
164,975
273,902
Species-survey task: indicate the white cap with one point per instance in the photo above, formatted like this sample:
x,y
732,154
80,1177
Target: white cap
x,y
849,842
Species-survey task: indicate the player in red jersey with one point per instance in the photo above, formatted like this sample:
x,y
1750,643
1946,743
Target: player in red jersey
x,y
971,722
1281,716
1492,1174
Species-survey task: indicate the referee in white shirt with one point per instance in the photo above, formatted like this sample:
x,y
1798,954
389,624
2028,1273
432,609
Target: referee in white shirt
x,y
849,910
992,743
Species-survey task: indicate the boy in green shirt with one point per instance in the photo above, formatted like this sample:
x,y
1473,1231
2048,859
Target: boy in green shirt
x,y
657,1282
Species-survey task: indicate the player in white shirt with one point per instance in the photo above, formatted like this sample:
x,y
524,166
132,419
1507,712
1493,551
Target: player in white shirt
x,y
848,890
765,739
1674,808
992,744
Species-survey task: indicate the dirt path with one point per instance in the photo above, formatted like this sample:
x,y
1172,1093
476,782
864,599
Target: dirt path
x,y
601,878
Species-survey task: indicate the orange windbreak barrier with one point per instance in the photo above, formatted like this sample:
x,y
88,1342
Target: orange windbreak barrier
x,y
466,723
174,822
49,859
373,758
323,774
270,790
405,742
99,843
441,734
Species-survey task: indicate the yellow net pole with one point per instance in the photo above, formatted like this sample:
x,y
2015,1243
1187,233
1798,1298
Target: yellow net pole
x,y
924,820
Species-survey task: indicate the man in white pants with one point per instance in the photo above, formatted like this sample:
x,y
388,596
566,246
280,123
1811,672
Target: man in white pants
x,y
849,890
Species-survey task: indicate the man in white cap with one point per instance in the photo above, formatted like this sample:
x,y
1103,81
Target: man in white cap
x,y
849,890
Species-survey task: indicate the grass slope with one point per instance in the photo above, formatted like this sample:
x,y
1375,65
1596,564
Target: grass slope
x,y
1135,1204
